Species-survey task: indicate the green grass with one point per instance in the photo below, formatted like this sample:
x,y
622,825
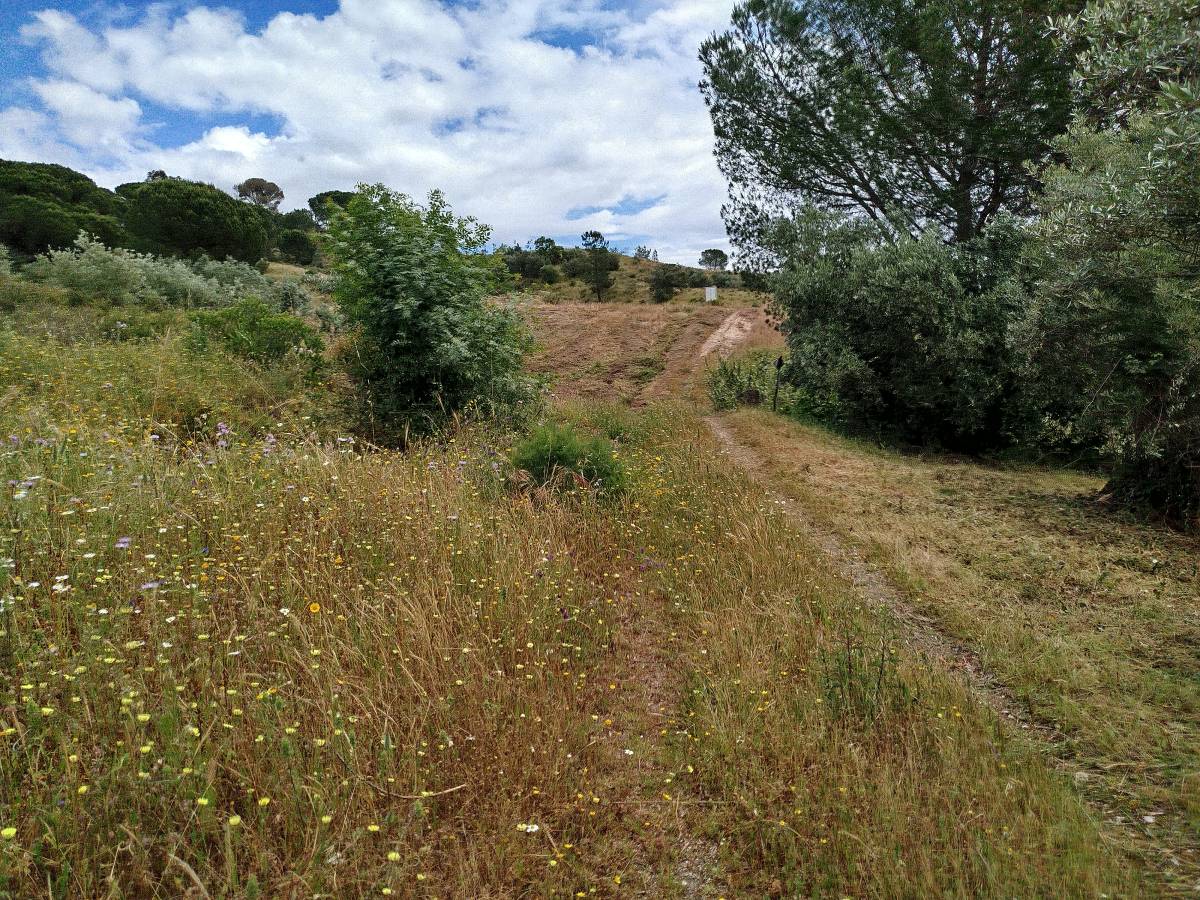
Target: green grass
x,y
1088,617
251,659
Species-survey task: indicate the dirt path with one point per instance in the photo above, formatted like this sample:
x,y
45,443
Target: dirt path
x,y
918,631
938,645
651,686
733,332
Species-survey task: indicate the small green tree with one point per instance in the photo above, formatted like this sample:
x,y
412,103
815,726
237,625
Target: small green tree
x,y
665,282
598,273
548,250
297,247
413,281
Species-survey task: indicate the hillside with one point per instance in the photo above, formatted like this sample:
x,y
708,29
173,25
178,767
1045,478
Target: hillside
x,y
280,660
631,284
634,354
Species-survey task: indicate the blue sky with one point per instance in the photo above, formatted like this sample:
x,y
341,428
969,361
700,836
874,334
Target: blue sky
x,y
537,116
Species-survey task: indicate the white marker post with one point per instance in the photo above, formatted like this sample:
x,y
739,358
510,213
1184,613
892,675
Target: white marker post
x,y
710,294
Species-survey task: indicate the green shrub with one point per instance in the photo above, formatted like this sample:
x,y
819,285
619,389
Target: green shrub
x,y
665,281
5,262
94,273
550,274
135,323
553,455
749,380
908,340
238,277
413,282
297,247
252,330
290,297
17,292
319,282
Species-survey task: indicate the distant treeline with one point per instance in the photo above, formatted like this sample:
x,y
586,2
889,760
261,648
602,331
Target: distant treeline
x,y
45,206
544,261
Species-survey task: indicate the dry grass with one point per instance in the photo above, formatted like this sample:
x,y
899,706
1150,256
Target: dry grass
x,y
1090,619
279,271
245,666
247,659
614,351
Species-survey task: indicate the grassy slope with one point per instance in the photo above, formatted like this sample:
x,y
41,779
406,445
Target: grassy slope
x,y
1090,619
632,354
280,668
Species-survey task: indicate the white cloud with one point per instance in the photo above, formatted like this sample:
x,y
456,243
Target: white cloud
x,y
90,119
413,93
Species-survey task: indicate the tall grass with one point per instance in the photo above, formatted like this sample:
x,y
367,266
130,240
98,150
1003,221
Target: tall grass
x,y
251,659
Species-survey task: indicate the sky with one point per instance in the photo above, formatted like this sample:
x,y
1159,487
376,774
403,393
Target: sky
x,y
536,116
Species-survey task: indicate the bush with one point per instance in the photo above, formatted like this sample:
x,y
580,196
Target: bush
x,y
750,381
5,262
93,273
238,277
557,456
252,330
319,281
550,274
909,340
665,282
132,323
575,263
755,281
16,292
412,281
290,297
297,247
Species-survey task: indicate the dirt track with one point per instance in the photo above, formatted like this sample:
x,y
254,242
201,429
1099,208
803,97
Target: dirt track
x,y
639,353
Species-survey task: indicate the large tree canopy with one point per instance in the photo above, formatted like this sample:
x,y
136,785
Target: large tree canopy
x,y
912,113
261,192
187,218
45,206
324,204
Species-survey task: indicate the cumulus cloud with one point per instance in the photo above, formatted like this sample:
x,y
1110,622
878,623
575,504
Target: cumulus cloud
x,y
524,111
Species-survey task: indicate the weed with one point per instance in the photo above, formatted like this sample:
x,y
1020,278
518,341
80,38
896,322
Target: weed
x,y
860,683
557,455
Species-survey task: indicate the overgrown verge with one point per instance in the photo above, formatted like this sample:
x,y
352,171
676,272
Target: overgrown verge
x,y
823,756
243,654
255,661
1087,618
